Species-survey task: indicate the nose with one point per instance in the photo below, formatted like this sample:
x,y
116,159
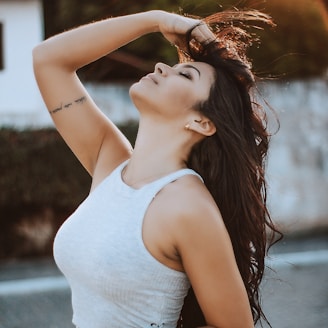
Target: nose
x,y
162,69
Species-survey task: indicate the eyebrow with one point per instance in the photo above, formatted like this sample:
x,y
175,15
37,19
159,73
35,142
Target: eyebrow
x,y
191,66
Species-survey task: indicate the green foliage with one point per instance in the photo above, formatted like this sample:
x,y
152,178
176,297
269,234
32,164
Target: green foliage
x,y
41,183
39,169
295,48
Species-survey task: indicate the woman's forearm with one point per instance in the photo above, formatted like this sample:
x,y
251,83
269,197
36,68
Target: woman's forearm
x,y
85,44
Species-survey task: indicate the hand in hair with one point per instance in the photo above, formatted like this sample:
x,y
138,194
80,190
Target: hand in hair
x,y
175,28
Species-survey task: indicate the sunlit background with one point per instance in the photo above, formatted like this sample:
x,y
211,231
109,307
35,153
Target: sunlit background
x,y
41,182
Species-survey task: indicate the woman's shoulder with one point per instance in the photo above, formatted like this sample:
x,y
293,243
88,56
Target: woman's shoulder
x,y
188,198
189,210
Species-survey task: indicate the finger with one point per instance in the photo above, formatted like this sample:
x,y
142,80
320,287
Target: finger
x,y
202,33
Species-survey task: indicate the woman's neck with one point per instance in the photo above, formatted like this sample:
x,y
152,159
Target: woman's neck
x,y
158,151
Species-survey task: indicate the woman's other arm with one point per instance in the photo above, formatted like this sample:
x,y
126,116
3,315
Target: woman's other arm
x,y
208,259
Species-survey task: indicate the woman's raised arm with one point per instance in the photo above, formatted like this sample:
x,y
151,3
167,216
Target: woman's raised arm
x,y
91,136
94,139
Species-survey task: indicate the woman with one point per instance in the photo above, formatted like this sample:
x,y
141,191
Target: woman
x,y
184,208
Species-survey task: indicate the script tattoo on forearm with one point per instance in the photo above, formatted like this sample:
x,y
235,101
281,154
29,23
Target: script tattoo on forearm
x,y
62,106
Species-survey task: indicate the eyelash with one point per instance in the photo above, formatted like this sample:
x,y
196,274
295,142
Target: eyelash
x,y
186,75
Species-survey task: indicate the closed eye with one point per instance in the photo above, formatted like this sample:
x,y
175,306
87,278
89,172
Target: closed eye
x,y
187,75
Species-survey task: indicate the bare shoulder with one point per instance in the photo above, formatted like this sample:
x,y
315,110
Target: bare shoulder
x,y
190,202
190,213
198,224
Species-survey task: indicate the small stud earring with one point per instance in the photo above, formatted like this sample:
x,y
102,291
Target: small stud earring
x,y
187,126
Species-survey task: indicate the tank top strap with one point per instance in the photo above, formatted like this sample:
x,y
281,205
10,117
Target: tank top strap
x,y
154,187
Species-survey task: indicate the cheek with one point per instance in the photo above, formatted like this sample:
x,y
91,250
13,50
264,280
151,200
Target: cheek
x,y
179,96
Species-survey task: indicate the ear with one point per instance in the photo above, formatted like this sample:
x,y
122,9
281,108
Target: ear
x,y
203,126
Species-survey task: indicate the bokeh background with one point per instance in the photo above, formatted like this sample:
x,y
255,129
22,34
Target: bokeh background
x,y
41,182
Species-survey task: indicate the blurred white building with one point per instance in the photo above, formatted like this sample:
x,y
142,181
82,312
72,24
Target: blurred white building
x,y
21,28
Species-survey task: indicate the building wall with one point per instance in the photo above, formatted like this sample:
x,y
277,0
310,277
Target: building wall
x,y
22,30
298,159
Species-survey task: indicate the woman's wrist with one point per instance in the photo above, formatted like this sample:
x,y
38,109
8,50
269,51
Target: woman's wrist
x,y
155,19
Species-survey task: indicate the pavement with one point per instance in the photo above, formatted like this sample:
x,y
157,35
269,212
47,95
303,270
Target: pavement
x,y
34,294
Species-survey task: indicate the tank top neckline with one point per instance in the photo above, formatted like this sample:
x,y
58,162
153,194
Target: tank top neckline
x,y
165,177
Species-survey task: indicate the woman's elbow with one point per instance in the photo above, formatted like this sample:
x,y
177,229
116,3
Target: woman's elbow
x,y
39,56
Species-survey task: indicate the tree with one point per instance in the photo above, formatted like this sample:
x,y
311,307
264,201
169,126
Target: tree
x,y
294,49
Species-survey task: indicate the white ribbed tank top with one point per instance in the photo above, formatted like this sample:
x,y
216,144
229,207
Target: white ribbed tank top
x,y
115,282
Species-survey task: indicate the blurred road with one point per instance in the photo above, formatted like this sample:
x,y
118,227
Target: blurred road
x,y
33,294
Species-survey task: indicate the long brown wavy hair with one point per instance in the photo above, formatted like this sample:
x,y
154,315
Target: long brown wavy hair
x,y
232,161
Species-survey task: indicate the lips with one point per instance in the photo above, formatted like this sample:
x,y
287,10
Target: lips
x,y
152,77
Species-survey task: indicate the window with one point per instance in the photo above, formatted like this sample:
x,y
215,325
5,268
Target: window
x,y
1,47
